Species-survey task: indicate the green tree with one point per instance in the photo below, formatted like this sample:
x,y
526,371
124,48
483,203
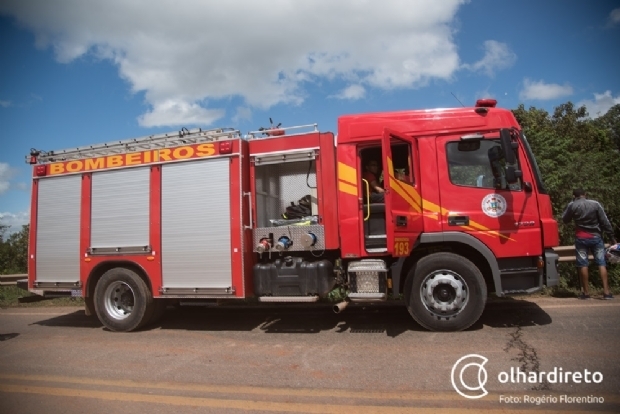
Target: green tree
x,y
610,123
4,250
573,151
19,248
14,250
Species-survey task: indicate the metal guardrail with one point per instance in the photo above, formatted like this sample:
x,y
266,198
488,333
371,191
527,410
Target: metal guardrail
x,y
567,253
6,280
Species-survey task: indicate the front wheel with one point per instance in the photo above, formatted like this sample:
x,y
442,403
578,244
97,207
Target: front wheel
x,y
445,292
123,301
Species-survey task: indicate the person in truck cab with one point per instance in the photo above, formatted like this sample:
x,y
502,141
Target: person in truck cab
x,y
590,221
371,173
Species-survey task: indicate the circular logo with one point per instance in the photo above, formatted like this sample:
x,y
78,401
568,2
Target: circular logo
x,y
494,205
471,361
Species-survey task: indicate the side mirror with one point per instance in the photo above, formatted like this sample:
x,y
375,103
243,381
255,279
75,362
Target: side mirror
x,y
506,141
513,174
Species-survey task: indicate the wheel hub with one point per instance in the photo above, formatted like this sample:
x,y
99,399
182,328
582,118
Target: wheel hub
x,y
444,293
119,300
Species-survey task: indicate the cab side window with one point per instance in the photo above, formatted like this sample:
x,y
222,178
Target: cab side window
x,y
403,165
478,164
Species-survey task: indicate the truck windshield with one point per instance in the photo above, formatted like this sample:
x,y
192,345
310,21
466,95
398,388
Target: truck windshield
x,y
534,164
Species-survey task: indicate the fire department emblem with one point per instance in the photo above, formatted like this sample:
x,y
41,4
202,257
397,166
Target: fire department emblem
x,y
494,205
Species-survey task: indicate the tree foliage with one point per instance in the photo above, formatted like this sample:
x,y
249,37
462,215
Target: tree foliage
x,y
610,122
14,251
575,151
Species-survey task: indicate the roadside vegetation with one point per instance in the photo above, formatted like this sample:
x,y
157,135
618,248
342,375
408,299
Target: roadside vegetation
x,y
572,150
12,296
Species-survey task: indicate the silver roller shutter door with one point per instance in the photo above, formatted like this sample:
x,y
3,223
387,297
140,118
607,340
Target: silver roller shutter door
x,y
196,224
58,229
120,208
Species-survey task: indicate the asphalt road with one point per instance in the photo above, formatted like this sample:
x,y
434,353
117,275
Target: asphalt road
x,y
368,359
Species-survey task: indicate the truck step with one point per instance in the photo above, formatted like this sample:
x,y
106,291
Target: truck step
x,y
367,297
288,299
377,250
376,265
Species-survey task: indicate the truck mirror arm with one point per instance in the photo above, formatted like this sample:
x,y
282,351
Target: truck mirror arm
x,y
513,174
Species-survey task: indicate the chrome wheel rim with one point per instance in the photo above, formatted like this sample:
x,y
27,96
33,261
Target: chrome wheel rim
x,y
444,294
119,300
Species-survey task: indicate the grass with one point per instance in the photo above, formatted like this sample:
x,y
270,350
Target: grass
x,y
9,298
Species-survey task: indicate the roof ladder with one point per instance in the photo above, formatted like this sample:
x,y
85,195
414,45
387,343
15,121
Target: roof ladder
x,y
166,140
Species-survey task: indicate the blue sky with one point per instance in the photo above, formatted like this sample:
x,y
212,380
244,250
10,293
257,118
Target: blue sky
x,y
78,72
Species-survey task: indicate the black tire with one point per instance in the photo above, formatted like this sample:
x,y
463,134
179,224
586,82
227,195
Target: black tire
x,y
445,292
89,306
159,308
123,301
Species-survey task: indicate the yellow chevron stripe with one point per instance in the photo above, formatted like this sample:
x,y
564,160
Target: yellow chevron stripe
x,y
478,226
500,235
417,199
406,191
402,190
347,188
347,173
427,205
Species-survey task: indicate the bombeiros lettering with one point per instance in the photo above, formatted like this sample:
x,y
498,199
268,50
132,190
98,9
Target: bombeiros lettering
x,y
134,158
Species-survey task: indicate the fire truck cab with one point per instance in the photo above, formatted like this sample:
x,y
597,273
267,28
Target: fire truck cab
x,y
288,215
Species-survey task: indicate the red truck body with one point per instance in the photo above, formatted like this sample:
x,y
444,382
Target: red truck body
x,y
134,225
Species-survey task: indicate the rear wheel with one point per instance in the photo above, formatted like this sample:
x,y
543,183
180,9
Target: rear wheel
x,y
445,292
123,301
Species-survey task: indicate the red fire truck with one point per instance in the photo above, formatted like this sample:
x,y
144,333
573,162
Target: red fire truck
x,y
287,215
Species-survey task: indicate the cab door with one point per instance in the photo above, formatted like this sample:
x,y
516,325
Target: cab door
x,y
480,200
403,201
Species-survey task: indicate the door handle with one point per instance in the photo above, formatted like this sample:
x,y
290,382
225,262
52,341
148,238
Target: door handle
x,y
401,221
458,220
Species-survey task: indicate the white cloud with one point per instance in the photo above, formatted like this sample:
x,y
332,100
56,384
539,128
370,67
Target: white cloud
x,y
179,112
353,92
14,221
6,104
601,104
539,90
6,173
497,56
185,57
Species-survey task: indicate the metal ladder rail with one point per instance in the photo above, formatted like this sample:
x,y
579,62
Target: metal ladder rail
x,y
298,129
166,140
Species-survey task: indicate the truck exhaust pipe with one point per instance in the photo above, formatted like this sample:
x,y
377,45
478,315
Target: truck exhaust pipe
x,y
339,307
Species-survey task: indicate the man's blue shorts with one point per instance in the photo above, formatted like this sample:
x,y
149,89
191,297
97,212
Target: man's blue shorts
x,y
594,245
